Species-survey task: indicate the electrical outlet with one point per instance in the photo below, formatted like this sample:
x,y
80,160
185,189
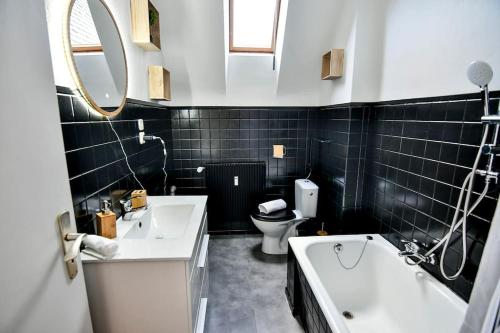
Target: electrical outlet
x,y
141,138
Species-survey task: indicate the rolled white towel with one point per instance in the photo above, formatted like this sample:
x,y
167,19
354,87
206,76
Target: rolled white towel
x,y
106,247
272,206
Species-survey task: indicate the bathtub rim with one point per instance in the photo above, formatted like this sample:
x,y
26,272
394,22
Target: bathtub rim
x,y
334,318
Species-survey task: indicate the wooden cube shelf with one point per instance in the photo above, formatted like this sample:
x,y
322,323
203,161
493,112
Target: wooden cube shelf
x,y
159,83
145,25
333,64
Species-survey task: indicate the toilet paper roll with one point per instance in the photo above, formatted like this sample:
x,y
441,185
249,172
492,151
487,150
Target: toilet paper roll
x,y
272,206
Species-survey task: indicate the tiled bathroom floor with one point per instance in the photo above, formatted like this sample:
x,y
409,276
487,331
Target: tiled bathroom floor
x,y
247,288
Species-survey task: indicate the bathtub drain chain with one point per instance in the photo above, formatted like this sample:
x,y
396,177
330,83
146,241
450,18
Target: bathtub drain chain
x,y
338,247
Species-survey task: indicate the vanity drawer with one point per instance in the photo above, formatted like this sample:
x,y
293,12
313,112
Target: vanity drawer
x,y
197,284
202,307
197,248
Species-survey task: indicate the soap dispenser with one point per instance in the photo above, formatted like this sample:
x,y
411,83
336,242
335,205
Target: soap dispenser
x,y
106,221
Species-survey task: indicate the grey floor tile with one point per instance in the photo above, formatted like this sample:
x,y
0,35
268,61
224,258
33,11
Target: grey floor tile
x,y
247,288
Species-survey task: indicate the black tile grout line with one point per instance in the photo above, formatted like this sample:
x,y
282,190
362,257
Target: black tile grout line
x,y
423,158
468,122
425,177
428,197
86,198
346,160
361,173
426,232
444,101
127,138
427,140
127,100
401,236
104,120
463,97
116,161
89,196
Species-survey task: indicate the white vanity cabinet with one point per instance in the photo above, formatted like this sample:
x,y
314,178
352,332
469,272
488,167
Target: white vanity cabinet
x,y
150,294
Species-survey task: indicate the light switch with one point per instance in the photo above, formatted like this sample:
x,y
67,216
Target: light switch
x,y
279,151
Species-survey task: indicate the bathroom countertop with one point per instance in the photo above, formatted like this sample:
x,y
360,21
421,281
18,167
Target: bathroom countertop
x,y
179,247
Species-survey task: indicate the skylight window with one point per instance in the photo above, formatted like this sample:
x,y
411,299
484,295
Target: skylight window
x,y
253,25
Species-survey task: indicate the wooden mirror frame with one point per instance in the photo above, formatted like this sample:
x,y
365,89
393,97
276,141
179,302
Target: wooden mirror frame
x,y
68,50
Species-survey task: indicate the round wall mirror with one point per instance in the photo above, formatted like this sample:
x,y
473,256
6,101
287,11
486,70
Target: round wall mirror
x,y
95,55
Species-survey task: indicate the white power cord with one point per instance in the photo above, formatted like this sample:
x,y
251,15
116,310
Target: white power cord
x,y
125,154
151,138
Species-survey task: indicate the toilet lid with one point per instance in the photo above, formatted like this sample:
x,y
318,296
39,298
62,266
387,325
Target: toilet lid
x,y
277,216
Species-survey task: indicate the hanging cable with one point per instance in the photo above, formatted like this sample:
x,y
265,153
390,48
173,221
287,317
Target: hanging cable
x,y
152,138
124,153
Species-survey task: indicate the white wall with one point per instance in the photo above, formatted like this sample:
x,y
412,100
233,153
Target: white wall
x,y
343,37
193,48
393,49
251,80
203,73
428,45
36,294
308,35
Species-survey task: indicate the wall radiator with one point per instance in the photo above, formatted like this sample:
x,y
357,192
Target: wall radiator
x,y
234,189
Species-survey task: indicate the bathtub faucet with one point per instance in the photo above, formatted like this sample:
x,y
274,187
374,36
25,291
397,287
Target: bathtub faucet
x,y
412,251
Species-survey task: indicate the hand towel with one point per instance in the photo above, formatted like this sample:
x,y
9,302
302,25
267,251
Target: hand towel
x,y
102,245
272,206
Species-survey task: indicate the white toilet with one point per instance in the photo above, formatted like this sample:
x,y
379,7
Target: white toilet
x,y
280,225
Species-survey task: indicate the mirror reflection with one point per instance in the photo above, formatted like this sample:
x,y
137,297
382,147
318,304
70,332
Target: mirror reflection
x,y
98,56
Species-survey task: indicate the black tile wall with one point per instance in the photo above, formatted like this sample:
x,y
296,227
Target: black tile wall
x,y
390,167
202,135
338,155
96,164
312,317
397,167
418,155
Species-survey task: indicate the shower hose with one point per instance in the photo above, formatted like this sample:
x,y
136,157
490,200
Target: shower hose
x,y
467,209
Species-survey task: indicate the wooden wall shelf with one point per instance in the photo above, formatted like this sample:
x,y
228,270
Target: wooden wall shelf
x,y
333,64
159,83
145,25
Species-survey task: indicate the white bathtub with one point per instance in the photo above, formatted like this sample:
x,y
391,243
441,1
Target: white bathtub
x,y
383,293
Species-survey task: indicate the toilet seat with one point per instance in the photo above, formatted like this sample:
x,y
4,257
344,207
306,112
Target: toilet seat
x,y
277,216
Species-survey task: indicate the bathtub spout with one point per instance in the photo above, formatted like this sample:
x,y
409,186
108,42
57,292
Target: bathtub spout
x,y
405,253
412,251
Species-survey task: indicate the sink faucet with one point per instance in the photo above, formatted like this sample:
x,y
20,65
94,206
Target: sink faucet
x,y
412,251
125,206
127,211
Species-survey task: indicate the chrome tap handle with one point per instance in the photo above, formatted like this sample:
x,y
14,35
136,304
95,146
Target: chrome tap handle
x,y
411,248
125,206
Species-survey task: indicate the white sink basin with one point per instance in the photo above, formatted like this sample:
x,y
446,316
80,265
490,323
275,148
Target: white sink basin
x,y
162,222
166,230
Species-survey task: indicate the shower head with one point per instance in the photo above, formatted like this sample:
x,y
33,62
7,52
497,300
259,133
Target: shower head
x,y
479,73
